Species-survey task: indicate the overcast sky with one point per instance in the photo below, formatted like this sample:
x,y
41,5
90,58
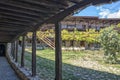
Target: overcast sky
x,y
103,11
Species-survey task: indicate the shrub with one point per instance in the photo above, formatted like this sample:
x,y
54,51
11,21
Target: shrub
x,y
110,42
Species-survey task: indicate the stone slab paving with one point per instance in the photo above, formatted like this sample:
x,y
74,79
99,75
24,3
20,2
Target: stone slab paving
x,y
6,72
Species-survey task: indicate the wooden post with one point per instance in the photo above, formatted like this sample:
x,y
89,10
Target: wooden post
x,y
13,47
23,51
16,53
58,52
34,54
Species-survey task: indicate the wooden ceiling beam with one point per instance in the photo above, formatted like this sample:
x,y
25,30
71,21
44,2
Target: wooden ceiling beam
x,y
7,31
42,4
11,29
98,2
75,1
62,2
28,10
60,16
15,23
24,12
6,38
21,16
16,18
11,33
19,5
3,34
12,25
79,6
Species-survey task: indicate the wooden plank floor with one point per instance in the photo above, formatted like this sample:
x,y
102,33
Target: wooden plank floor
x,y
6,72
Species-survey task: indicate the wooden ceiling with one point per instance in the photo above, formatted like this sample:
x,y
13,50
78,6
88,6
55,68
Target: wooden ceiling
x,y
17,17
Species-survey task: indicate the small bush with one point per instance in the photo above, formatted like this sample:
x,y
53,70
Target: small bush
x,y
110,42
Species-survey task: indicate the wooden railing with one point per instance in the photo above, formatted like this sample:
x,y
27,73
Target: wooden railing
x,y
46,40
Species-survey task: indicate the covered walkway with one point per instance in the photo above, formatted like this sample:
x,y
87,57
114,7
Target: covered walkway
x,y
18,17
6,72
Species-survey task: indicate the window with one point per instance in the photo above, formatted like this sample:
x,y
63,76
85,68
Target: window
x,y
71,26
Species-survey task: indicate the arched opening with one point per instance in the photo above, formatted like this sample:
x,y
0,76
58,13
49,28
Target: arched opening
x,y
2,50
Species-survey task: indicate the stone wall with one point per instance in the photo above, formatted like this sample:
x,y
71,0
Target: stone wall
x,y
22,73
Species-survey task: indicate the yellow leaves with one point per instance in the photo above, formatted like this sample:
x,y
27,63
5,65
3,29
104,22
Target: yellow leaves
x,y
29,35
118,25
89,36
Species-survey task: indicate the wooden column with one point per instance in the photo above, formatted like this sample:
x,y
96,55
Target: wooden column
x,y
13,47
11,50
34,54
23,51
16,52
58,52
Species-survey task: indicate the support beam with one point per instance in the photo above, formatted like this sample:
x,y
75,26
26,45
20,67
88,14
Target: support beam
x,y
23,51
16,51
15,18
44,3
13,50
15,22
27,12
30,6
12,25
7,28
58,52
34,54
60,16
20,16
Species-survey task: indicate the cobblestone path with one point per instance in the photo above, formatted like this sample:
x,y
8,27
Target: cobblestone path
x,y
6,72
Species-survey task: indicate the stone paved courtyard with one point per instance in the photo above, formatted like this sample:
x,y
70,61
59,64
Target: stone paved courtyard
x,y
6,72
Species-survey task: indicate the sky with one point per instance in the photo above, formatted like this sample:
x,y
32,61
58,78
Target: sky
x,y
102,11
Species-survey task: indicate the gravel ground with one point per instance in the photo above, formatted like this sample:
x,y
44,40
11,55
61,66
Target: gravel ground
x,y
6,72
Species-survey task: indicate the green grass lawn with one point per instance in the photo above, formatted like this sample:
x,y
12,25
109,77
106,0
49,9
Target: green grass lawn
x,y
77,65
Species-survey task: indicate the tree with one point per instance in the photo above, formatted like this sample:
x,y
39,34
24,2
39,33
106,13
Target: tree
x,y
118,25
110,42
65,35
91,36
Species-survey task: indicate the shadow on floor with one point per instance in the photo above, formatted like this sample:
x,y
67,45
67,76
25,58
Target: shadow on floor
x,y
45,70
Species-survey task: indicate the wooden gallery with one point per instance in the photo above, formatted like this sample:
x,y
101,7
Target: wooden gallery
x,y
81,24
